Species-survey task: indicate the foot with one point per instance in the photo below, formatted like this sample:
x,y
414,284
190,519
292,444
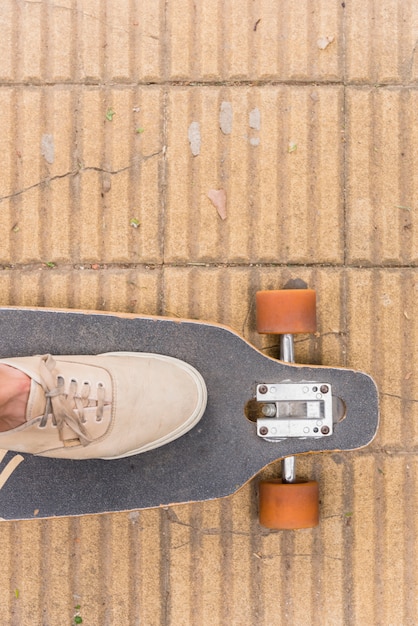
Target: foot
x,y
14,395
107,406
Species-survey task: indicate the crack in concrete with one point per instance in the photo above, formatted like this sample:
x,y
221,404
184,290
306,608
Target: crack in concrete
x,y
309,555
106,23
412,59
174,519
398,397
49,179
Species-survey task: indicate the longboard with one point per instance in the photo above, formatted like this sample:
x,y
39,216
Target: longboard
x,y
222,453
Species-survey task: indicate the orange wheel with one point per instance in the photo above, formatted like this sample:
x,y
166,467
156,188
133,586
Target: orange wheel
x,y
286,311
288,506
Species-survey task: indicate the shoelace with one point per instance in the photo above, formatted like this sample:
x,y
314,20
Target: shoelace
x,y
59,404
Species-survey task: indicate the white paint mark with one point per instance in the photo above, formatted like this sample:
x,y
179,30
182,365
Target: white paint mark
x,y
48,148
255,119
225,118
134,516
386,300
255,141
324,42
106,182
194,138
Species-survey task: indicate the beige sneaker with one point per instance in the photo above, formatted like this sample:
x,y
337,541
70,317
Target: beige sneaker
x,y
106,406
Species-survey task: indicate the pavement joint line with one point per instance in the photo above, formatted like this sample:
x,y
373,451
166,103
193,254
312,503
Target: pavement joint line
x,y
413,86
111,265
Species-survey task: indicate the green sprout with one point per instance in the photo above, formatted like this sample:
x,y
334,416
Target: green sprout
x,y
77,617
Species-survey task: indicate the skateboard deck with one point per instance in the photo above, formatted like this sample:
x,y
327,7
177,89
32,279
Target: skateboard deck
x,y
214,459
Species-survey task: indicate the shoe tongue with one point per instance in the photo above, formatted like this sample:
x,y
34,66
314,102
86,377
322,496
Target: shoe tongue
x,y
37,401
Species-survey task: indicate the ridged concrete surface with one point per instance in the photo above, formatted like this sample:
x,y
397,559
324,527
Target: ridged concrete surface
x,y
118,118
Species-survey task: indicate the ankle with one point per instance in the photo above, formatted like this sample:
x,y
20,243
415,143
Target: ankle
x,y
14,395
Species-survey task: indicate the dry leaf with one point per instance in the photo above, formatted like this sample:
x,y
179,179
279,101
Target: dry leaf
x,y
218,199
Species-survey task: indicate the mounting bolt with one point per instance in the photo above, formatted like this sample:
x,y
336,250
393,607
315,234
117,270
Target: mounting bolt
x,y
269,410
324,389
325,430
264,430
263,389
